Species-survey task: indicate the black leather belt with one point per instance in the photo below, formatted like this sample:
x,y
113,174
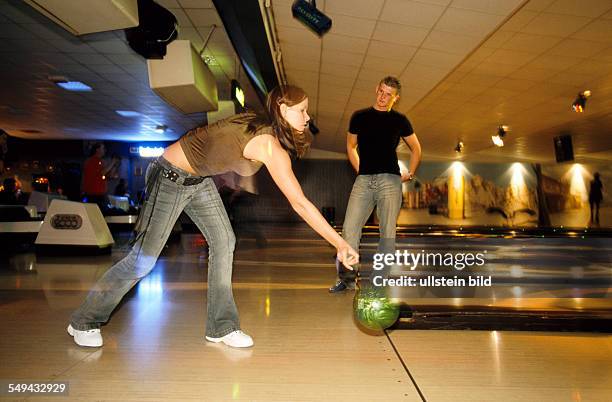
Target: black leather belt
x,y
186,181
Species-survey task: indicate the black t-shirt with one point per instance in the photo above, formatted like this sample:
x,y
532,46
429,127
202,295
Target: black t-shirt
x,y
378,134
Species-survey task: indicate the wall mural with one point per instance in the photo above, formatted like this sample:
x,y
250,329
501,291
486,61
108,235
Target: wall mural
x,y
568,188
502,195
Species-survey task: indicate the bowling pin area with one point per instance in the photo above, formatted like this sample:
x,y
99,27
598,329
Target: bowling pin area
x,y
307,344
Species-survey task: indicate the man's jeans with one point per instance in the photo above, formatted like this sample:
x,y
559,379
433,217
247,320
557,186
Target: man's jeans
x,y
382,190
165,201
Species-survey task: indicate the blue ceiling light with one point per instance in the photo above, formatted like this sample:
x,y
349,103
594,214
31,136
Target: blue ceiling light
x,y
75,86
127,113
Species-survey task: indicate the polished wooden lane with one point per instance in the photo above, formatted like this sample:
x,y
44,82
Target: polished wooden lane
x,y
307,347
508,366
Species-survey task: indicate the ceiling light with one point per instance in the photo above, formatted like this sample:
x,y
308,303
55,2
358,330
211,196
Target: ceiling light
x,y
459,147
210,60
498,138
160,129
237,93
127,113
580,102
75,86
307,12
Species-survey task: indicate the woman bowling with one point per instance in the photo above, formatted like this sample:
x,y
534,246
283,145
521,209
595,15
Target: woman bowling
x,y
180,180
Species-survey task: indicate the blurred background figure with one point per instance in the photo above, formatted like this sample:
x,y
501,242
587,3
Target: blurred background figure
x,y
121,189
595,196
239,195
10,194
3,149
95,175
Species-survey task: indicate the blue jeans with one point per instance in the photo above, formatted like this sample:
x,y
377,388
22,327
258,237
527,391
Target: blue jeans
x,y
383,191
166,199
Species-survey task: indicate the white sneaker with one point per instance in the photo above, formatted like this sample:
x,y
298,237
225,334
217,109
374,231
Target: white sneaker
x,y
236,339
91,338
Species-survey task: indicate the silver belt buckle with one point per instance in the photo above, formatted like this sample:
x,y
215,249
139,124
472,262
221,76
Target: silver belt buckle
x,y
170,175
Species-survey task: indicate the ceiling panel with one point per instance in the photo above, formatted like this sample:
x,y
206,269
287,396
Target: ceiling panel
x,y
391,51
340,57
467,22
578,48
352,26
530,43
399,34
298,36
591,8
599,31
411,13
345,43
357,8
511,57
497,7
555,24
203,16
450,42
384,66
342,73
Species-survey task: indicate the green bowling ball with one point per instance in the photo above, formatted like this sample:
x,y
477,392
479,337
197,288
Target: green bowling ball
x,y
373,310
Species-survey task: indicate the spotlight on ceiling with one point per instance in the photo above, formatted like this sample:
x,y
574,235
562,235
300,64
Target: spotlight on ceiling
x,y
580,102
306,11
498,138
160,129
459,147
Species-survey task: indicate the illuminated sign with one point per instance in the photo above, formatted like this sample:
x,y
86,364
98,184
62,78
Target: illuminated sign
x,y
150,152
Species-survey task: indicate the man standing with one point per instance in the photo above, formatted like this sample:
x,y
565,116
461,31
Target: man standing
x,y
371,143
95,176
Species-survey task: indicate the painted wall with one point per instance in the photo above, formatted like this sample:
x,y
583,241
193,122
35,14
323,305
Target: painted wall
x,y
503,194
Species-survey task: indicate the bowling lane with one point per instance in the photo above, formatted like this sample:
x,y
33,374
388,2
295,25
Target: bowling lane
x,y
507,366
526,273
306,344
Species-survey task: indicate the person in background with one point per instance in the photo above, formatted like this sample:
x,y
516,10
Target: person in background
x,y
595,196
373,136
121,189
95,175
9,194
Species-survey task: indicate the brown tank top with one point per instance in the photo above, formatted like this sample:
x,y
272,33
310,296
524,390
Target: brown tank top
x,y
218,148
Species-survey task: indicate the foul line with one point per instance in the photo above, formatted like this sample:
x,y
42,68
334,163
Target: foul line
x,y
405,367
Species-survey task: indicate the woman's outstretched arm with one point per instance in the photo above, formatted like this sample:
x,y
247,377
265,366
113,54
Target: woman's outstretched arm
x,y
266,149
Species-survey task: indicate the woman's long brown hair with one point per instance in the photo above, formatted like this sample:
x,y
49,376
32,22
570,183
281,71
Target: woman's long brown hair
x,y
294,142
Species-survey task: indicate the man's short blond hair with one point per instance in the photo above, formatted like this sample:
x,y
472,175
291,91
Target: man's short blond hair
x,y
391,82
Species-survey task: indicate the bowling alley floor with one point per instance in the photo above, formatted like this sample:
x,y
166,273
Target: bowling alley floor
x,y
307,347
